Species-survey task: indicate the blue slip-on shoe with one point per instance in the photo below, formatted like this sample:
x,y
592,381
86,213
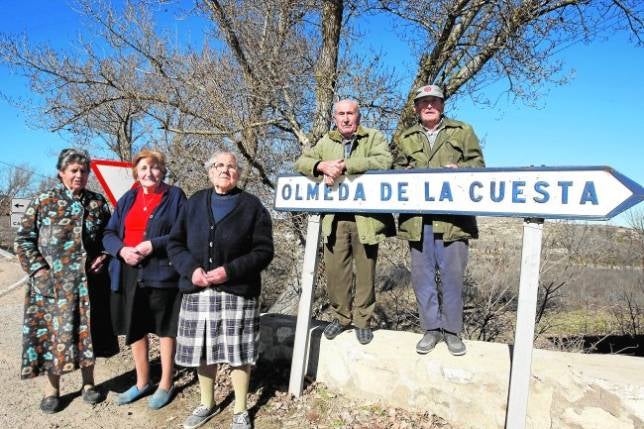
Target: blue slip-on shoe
x,y
132,394
161,398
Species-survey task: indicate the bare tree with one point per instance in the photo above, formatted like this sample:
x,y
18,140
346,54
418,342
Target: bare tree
x,y
626,307
15,181
635,219
491,290
467,44
264,80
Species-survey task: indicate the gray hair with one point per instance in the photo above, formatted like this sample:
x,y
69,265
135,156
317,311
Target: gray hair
x,y
347,99
72,156
211,161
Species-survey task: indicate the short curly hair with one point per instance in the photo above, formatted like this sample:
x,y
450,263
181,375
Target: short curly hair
x,y
156,156
71,156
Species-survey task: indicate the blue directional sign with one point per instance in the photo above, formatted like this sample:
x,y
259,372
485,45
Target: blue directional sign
x,y
592,193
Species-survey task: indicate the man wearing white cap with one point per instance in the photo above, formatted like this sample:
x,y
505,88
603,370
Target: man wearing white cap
x,y
438,243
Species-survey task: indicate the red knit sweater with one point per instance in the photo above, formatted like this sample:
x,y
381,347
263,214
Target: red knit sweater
x,y
136,219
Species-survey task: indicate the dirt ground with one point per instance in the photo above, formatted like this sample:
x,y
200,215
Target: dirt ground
x,y
269,401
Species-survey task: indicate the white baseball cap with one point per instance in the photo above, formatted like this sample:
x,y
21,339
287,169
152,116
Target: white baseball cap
x,y
429,91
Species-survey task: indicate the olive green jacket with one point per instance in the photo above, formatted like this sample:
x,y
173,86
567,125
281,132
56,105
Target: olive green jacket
x,y
456,144
369,152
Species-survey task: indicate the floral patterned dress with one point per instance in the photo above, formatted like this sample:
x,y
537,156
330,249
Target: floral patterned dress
x,y
66,322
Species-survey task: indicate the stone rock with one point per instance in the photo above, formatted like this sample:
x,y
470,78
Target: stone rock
x,y
567,390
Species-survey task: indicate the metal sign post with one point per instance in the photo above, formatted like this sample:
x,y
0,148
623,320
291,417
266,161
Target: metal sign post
x,y
533,193
303,325
524,331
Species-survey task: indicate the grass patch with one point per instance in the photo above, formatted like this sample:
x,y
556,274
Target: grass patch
x,y
580,322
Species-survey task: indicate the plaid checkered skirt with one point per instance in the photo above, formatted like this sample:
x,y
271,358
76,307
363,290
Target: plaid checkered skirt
x,y
226,325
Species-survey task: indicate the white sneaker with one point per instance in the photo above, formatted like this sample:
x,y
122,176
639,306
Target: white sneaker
x,y
241,421
199,416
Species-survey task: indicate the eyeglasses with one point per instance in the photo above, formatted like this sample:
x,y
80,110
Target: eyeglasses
x,y
220,166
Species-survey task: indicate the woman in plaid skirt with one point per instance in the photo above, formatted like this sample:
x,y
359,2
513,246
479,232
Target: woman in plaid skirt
x,y
220,244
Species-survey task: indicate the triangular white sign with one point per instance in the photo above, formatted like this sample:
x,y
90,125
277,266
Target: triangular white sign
x,y
115,177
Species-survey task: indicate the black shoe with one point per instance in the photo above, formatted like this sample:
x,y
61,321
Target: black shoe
x,y
454,344
428,342
91,395
50,404
333,329
364,335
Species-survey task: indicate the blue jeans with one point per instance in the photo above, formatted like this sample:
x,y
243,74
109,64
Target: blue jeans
x,y
439,308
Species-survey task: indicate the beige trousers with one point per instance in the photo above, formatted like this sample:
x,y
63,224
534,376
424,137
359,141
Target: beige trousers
x,y
352,297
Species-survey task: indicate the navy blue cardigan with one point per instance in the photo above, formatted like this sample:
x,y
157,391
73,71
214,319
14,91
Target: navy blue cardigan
x,y
155,270
241,242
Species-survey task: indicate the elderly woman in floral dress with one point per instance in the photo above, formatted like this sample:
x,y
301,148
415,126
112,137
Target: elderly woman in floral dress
x,y
67,319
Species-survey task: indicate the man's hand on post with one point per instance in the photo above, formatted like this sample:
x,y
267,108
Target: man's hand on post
x,y
331,168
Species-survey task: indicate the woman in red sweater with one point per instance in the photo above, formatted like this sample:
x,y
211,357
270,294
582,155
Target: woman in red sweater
x,y
145,295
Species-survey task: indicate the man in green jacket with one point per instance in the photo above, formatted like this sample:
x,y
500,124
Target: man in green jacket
x,y
438,243
350,238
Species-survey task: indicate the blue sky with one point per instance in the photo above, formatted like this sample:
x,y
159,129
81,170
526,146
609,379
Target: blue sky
x,y
596,119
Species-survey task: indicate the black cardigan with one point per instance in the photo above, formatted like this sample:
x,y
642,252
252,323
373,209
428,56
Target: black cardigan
x,y
242,242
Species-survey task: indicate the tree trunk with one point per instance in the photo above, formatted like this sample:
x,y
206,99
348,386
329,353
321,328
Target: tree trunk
x,y
326,80
326,67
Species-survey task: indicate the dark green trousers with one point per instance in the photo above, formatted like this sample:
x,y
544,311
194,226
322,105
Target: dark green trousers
x,y
350,273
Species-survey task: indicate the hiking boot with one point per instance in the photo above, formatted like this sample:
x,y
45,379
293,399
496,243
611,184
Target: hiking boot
x,y
364,335
241,421
428,342
333,329
199,416
454,344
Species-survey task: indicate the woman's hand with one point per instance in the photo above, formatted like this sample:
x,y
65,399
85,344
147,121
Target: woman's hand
x,y
97,264
217,276
199,278
144,248
131,256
